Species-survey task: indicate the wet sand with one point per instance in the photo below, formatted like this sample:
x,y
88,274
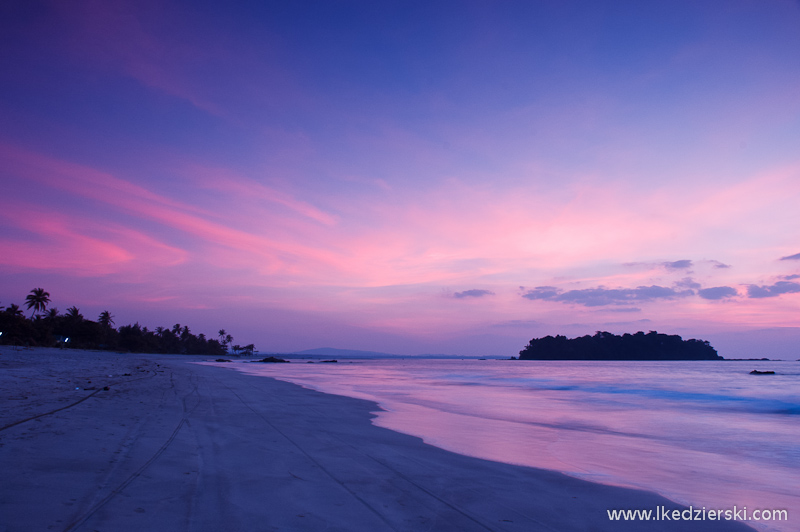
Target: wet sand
x,y
173,446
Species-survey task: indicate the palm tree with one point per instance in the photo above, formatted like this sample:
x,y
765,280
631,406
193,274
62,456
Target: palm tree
x,y
222,333
14,310
160,331
51,314
37,300
176,329
106,319
74,313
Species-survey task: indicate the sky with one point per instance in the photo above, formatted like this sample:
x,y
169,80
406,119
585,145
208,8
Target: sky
x,y
407,177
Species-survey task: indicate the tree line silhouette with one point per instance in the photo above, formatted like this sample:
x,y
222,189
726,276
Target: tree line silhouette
x,y
607,346
48,328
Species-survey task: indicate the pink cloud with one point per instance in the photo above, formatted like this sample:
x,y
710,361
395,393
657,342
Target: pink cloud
x,y
75,254
459,231
457,236
76,244
462,232
273,255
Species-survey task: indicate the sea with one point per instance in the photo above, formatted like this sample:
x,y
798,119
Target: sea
x,y
706,434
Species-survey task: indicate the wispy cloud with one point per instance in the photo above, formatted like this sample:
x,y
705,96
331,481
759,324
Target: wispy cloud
x,y
275,254
719,265
717,292
688,282
796,256
120,36
601,296
678,264
243,189
774,290
75,244
473,293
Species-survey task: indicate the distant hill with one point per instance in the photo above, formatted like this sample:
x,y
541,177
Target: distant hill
x,y
332,352
344,353
607,346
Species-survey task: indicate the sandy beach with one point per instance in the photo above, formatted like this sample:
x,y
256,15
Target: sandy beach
x,y
93,441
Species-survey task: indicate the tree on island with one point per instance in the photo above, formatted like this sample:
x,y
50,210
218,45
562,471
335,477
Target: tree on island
x,y
607,346
37,300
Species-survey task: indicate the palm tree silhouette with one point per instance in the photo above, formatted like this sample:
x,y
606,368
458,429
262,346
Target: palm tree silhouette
x,y
14,310
74,313
105,319
37,300
222,333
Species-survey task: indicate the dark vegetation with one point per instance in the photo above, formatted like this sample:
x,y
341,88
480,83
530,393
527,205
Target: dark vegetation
x,y
49,328
607,346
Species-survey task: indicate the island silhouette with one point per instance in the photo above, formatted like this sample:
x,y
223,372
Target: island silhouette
x,y
607,346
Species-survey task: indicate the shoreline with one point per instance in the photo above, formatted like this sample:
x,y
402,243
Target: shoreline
x,y
179,446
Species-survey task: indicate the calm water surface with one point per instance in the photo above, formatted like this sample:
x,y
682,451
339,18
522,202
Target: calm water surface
x,y
700,433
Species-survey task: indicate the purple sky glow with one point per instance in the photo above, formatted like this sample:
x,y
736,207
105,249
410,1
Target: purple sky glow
x,y
407,177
